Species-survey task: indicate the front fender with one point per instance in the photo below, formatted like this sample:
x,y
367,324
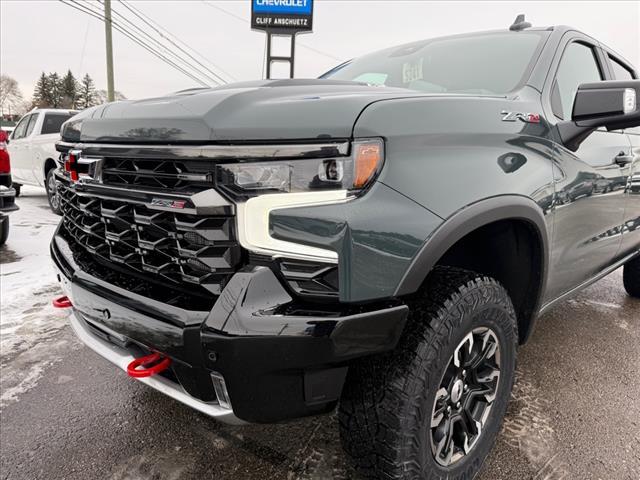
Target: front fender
x,y
465,221
376,236
447,153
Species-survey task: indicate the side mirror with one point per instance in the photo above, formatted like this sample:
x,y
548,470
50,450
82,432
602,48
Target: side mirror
x,y
611,104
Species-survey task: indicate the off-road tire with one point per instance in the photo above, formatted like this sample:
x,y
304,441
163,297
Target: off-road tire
x,y
4,229
631,277
52,194
387,401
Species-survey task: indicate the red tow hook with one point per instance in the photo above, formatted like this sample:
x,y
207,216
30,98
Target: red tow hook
x,y
62,302
151,365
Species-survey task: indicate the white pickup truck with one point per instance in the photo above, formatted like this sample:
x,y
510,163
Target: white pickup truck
x,y
33,153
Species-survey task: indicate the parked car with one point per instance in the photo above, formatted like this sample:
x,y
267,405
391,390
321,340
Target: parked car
x,y
7,129
33,152
381,239
7,193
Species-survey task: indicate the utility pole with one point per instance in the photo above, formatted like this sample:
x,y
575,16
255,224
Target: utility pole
x,y
107,34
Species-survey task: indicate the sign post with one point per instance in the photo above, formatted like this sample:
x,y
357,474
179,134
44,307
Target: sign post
x,y
282,18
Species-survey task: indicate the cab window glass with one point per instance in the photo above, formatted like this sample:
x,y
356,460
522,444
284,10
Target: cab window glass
x,y
21,128
578,66
620,72
53,122
32,124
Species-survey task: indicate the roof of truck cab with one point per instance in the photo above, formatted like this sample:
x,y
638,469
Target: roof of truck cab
x,y
54,110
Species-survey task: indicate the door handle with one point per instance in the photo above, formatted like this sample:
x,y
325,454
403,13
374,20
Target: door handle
x,y
623,159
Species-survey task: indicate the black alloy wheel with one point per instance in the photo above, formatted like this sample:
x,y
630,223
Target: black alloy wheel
x,y
465,398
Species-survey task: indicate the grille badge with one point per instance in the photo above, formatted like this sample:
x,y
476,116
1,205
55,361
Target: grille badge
x,y
161,202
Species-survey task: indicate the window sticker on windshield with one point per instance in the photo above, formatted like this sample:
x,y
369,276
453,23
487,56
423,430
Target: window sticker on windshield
x,y
412,71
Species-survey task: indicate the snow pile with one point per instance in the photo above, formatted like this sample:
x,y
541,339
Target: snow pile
x,y
28,322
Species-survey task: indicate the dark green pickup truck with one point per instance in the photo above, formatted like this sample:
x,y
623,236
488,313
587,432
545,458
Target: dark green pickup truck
x,y
380,239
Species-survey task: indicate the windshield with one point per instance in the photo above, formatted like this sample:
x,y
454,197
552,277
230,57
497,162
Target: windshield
x,y
489,63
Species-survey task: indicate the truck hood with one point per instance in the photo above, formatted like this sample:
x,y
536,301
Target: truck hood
x,y
261,110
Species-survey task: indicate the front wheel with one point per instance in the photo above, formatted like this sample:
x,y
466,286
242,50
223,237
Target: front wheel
x,y
52,192
432,408
631,277
4,229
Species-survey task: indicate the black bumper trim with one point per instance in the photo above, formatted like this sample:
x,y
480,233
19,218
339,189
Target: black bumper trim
x,y
7,200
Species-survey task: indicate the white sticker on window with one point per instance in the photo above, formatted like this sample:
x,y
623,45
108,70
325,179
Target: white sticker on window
x,y
412,71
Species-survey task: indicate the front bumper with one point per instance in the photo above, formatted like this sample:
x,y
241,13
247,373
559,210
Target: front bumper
x,y
7,200
121,358
277,361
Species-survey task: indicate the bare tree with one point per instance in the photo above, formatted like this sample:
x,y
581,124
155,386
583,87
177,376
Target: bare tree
x,y
10,95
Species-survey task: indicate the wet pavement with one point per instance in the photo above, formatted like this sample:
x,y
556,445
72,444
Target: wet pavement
x,y
67,413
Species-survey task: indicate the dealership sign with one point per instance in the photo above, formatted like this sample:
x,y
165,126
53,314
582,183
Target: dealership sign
x,y
282,15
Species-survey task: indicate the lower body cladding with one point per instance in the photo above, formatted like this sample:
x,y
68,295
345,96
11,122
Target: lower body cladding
x,y
244,361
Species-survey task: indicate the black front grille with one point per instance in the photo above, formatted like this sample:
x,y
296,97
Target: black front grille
x,y
182,176
199,253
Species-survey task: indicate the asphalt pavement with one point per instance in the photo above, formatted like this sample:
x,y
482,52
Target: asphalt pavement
x,y
67,413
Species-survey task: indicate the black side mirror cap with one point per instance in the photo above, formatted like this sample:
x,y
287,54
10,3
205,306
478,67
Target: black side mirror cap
x,y
609,104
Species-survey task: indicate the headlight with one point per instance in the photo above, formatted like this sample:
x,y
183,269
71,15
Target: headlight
x,y
352,173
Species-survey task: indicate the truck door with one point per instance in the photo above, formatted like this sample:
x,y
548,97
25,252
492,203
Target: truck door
x,y
43,144
589,183
18,150
28,152
621,70
631,231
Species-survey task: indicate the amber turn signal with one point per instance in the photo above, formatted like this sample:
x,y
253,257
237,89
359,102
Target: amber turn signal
x,y
368,161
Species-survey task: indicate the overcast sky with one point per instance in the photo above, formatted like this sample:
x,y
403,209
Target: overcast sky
x,y
49,36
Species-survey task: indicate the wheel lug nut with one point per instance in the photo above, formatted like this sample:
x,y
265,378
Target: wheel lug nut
x,y
458,405
449,409
466,387
464,373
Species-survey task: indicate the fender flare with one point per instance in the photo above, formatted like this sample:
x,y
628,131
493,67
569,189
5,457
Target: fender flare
x,y
44,169
465,221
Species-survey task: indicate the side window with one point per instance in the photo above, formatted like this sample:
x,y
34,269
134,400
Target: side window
x,y
32,123
53,122
620,72
21,128
577,66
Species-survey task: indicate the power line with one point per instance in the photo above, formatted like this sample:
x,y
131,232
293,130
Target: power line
x,y
84,45
93,13
99,16
163,48
166,35
238,17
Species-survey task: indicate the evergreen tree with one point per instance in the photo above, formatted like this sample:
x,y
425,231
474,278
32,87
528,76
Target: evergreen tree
x,y
42,92
69,90
87,93
55,87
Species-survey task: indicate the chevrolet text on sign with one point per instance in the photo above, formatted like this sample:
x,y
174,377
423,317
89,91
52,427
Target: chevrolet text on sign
x,y
282,15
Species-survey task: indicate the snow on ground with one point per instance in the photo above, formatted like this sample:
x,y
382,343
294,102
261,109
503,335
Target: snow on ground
x,y
28,323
